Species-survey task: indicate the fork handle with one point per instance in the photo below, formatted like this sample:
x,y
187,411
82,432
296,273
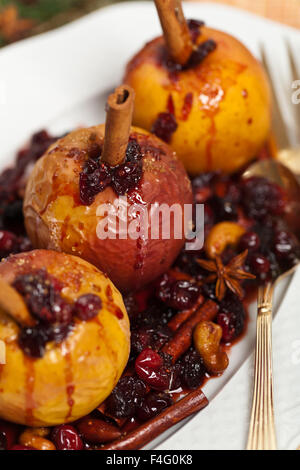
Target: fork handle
x,y
262,435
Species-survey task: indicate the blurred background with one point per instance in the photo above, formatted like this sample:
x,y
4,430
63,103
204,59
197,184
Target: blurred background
x,y
23,18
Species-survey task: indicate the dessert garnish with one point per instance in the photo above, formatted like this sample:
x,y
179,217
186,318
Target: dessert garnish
x,y
227,276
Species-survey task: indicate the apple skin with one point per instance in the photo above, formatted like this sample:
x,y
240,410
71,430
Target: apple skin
x,y
56,219
84,368
229,119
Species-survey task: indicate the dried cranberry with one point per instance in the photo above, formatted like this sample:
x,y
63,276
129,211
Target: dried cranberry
x,y
87,306
164,126
283,244
66,437
126,177
153,404
8,243
260,197
202,186
201,53
97,175
33,341
231,318
194,27
149,366
94,178
178,294
249,241
126,397
224,208
151,336
20,447
193,370
41,293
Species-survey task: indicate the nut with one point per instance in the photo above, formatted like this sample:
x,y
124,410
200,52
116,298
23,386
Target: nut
x,y
35,437
222,235
207,337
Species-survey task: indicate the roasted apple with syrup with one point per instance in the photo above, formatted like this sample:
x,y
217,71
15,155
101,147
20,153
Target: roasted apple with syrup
x,y
66,333
90,168
202,91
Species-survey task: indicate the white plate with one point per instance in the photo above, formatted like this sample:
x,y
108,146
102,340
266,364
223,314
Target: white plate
x,y
61,79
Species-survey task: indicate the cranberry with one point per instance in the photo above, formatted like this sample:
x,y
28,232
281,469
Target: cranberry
x,y
224,209
92,180
133,151
249,241
126,177
260,197
259,264
201,53
149,366
231,318
193,370
87,306
178,294
126,397
66,437
33,340
144,337
194,27
153,404
97,175
283,243
8,435
202,186
164,126
41,293
8,243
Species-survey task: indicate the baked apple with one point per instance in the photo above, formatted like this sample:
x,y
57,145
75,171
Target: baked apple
x,y
72,183
214,110
66,332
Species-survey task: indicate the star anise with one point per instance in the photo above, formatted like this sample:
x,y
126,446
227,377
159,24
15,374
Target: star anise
x,y
227,276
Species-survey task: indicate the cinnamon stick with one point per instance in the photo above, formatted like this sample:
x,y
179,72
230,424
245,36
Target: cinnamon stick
x,y
97,431
175,28
180,317
117,126
182,339
191,403
13,305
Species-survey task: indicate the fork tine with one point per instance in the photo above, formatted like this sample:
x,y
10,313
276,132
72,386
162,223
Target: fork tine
x,y
295,76
278,124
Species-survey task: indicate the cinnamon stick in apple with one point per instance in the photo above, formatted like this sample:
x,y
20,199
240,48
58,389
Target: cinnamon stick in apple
x,y
182,339
175,28
117,126
191,403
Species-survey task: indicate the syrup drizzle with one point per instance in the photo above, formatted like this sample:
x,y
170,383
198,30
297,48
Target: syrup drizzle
x,y
70,387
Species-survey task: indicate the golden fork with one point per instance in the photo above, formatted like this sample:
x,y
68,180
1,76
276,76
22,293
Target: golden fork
x,y
262,434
